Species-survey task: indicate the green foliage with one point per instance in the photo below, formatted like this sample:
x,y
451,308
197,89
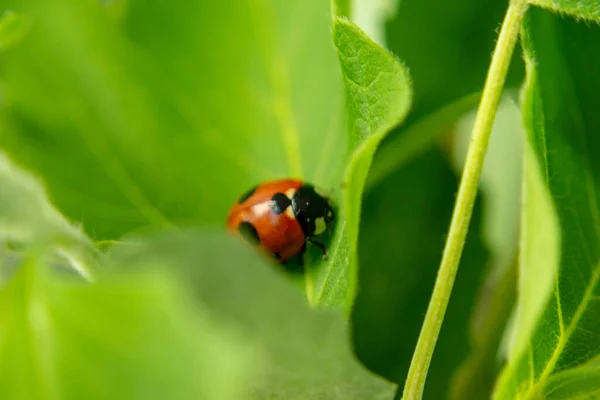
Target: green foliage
x,y
448,67
412,189
500,189
138,166
402,236
119,134
155,127
26,218
559,343
581,9
128,128
122,337
299,353
13,27
419,137
378,91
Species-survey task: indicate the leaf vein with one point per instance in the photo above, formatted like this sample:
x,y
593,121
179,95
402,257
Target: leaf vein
x,y
564,338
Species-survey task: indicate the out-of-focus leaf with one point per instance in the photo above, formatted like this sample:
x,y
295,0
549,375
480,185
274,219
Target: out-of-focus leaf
x,y
576,383
556,334
303,353
27,218
13,27
446,45
341,8
500,188
500,181
584,9
378,97
166,115
371,15
420,137
119,338
477,374
405,220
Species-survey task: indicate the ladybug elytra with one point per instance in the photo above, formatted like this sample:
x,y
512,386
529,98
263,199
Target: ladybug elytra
x,y
281,216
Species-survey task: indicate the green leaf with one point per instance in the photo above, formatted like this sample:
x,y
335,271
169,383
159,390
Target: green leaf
x,y
341,8
378,97
584,9
406,219
13,27
540,251
300,353
133,337
262,99
370,16
163,117
576,383
448,54
27,218
418,138
404,223
556,331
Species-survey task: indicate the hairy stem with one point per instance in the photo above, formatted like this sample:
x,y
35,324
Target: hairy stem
x,y
463,209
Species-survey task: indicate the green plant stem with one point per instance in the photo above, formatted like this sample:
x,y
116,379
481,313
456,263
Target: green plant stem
x,y
463,209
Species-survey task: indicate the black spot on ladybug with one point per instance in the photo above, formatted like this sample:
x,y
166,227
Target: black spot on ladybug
x,y
247,195
279,202
248,232
277,256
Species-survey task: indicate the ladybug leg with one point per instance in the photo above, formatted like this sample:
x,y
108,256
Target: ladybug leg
x,y
320,246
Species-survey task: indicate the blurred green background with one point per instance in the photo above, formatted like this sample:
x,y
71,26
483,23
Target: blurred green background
x,y
142,116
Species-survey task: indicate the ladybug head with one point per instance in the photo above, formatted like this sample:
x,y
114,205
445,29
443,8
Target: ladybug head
x,y
313,211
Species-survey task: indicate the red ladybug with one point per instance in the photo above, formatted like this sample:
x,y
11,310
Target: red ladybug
x,y
281,216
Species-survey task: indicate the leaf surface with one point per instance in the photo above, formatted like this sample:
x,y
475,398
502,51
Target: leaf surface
x,y
300,353
378,96
557,333
584,9
28,219
446,46
262,99
405,219
119,338
165,116
13,27
500,187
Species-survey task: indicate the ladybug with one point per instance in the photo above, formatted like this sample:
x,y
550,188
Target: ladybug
x,y
281,216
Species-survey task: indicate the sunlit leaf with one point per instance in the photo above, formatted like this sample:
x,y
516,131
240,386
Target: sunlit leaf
x,y
27,218
378,97
371,15
575,383
13,27
301,353
262,99
119,338
164,116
